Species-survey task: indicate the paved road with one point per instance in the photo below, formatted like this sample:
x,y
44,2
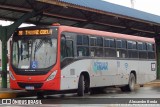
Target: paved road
x,y
143,92
110,95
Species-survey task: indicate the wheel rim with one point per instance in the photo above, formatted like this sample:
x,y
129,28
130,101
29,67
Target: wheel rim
x,y
132,82
84,85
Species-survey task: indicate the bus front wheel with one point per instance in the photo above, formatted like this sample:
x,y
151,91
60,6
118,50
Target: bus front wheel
x,y
81,86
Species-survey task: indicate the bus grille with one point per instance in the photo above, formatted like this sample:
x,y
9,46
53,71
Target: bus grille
x,y
35,85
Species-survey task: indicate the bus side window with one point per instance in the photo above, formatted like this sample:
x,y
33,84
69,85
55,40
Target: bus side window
x,y
93,43
132,49
142,47
69,48
150,49
121,48
99,47
82,45
109,48
66,48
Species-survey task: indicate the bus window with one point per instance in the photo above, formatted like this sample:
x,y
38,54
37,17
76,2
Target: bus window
x,y
82,40
82,51
85,40
92,52
129,44
112,43
93,41
79,40
150,49
82,45
106,43
66,48
144,46
121,48
99,49
119,43
110,52
140,46
99,52
132,49
109,48
15,54
134,45
142,50
99,41
123,44
69,48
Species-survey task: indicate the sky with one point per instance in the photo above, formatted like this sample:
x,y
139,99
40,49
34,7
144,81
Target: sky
x,y
6,23
150,6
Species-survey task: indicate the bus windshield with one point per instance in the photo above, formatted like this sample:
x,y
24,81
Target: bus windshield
x,y
34,53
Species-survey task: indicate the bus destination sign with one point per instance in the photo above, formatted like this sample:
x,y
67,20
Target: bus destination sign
x,y
35,32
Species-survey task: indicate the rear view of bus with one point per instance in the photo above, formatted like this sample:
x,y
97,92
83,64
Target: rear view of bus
x,y
34,61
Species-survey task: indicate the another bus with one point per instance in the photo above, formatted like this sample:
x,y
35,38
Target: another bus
x,y
59,58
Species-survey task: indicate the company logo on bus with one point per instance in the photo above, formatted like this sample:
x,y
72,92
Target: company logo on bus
x,y
100,66
35,32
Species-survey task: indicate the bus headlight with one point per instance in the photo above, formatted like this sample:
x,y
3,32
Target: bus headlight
x,y
11,75
52,76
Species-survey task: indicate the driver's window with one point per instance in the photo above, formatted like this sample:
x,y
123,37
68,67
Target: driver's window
x,y
66,48
69,48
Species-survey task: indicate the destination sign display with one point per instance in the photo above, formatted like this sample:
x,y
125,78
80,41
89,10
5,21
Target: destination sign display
x,y
34,32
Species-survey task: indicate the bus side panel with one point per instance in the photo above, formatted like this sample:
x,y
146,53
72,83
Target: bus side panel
x,y
147,71
106,72
70,74
101,71
124,69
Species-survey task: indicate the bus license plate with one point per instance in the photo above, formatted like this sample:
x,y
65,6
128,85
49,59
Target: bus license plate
x,y
29,87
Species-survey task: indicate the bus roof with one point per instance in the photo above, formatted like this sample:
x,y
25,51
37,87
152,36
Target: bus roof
x,y
106,34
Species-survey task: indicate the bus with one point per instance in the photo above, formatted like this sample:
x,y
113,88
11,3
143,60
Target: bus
x,y
61,58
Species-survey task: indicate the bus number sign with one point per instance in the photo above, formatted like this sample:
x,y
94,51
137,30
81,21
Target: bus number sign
x,y
35,32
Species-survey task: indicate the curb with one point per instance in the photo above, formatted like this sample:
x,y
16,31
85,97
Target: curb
x,y
8,95
16,94
152,84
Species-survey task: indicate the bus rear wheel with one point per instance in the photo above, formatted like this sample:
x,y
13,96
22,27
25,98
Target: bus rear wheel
x,y
131,84
81,86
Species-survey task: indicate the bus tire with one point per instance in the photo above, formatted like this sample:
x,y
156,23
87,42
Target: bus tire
x,y
81,86
131,84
